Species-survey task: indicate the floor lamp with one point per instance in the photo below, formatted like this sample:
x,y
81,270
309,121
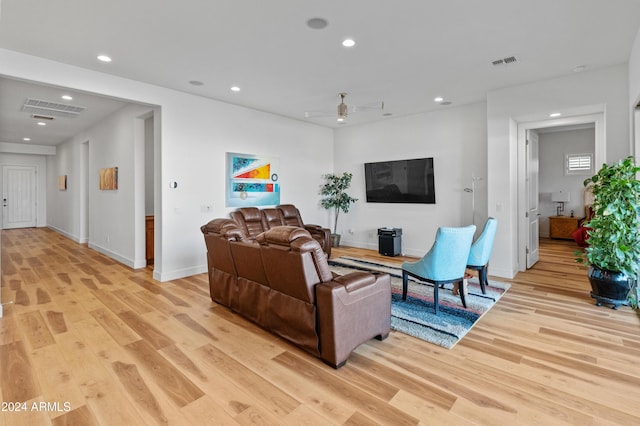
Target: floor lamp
x,y
472,191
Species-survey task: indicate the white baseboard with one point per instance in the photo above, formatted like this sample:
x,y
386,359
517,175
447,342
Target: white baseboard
x,y
179,273
115,256
65,233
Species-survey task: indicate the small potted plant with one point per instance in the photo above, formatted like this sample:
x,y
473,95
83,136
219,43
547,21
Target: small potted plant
x,y
613,250
335,197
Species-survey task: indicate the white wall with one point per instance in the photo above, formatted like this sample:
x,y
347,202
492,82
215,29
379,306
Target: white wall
x,y
634,94
604,90
454,137
554,146
195,133
63,206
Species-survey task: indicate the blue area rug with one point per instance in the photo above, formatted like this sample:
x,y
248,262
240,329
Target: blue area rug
x,y
415,316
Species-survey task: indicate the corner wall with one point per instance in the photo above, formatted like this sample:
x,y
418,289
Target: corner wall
x,y
455,137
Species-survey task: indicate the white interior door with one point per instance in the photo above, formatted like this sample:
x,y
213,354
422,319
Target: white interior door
x,y
533,205
18,197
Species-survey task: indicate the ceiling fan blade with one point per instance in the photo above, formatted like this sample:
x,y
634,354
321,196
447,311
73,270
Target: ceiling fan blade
x,y
316,114
373,106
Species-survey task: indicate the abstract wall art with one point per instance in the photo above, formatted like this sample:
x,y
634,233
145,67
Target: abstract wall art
x,y
252,180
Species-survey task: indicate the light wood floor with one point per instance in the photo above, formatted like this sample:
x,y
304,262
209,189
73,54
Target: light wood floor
x,y
89,341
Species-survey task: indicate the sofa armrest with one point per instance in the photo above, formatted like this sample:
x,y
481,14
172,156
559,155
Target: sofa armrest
x,y
352,309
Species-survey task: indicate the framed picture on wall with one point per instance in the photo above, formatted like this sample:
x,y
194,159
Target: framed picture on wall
x,y
62,182
252,180
109,179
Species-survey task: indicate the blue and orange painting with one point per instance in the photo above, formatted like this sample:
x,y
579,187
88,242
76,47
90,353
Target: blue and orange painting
x,y
251,181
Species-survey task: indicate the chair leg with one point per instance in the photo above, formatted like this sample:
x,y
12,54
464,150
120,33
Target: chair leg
x,y
405,284
482,277
462,289
435,298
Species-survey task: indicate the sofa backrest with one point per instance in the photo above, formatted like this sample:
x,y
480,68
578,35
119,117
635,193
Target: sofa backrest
x,y
290,215
272,217
294,262
250,220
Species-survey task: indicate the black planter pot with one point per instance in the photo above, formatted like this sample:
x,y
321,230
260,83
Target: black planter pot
x,y
609,287
335,240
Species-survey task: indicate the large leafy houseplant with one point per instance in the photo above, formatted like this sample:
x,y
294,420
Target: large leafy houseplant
x,y
334,196
614,235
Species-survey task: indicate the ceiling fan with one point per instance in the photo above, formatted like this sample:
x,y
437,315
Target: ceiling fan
x,y
344,110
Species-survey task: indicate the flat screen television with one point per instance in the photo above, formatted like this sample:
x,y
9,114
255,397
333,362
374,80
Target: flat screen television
x,y
400,181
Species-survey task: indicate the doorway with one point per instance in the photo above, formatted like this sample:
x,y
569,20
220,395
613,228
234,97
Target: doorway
x,y
526,239
19,195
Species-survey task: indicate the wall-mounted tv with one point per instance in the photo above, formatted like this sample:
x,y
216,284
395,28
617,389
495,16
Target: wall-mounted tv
x,y
400,181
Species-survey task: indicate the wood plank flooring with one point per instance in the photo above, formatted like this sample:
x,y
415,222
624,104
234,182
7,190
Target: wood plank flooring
x,y
89,341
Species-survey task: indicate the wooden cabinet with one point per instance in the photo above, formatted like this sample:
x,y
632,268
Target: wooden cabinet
x,y
149,237
562,226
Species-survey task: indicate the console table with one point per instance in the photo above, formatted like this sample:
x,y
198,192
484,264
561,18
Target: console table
x,y
562,226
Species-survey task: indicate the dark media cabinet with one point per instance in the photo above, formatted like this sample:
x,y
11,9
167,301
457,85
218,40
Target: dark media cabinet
x,y
390,241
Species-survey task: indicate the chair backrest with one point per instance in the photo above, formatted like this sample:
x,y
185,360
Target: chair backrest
x,y
447,259
481,248
290,215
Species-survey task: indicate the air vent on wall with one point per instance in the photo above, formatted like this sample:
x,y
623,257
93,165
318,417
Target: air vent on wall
x,y
504,61
46,108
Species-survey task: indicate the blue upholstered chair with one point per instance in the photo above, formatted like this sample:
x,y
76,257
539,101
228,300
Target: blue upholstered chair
x,y
445,263
481,252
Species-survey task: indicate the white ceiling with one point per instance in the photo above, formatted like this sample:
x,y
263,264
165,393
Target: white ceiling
x,y
406,53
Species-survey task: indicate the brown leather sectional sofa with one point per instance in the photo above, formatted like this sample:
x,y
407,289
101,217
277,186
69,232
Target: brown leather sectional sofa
x,y
282,282
254,221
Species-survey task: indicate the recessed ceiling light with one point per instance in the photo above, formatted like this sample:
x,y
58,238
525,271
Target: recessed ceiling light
x,y
235,89
104,58
438,99
348,43
67,97
26,139
196,83
41,123
580,68
555,114
387,114
317,23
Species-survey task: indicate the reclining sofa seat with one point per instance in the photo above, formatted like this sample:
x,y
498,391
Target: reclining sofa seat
x,y
250,221
253,221
223,285
291,216
283,283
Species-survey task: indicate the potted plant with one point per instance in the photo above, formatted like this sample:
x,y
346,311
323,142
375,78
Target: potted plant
x,y
613,250
335,197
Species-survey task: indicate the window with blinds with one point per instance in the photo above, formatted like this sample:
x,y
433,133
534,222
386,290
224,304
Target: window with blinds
x,y
579,164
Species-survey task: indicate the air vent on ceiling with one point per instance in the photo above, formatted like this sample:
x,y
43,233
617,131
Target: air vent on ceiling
x,y
504,61
42,117
46,108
